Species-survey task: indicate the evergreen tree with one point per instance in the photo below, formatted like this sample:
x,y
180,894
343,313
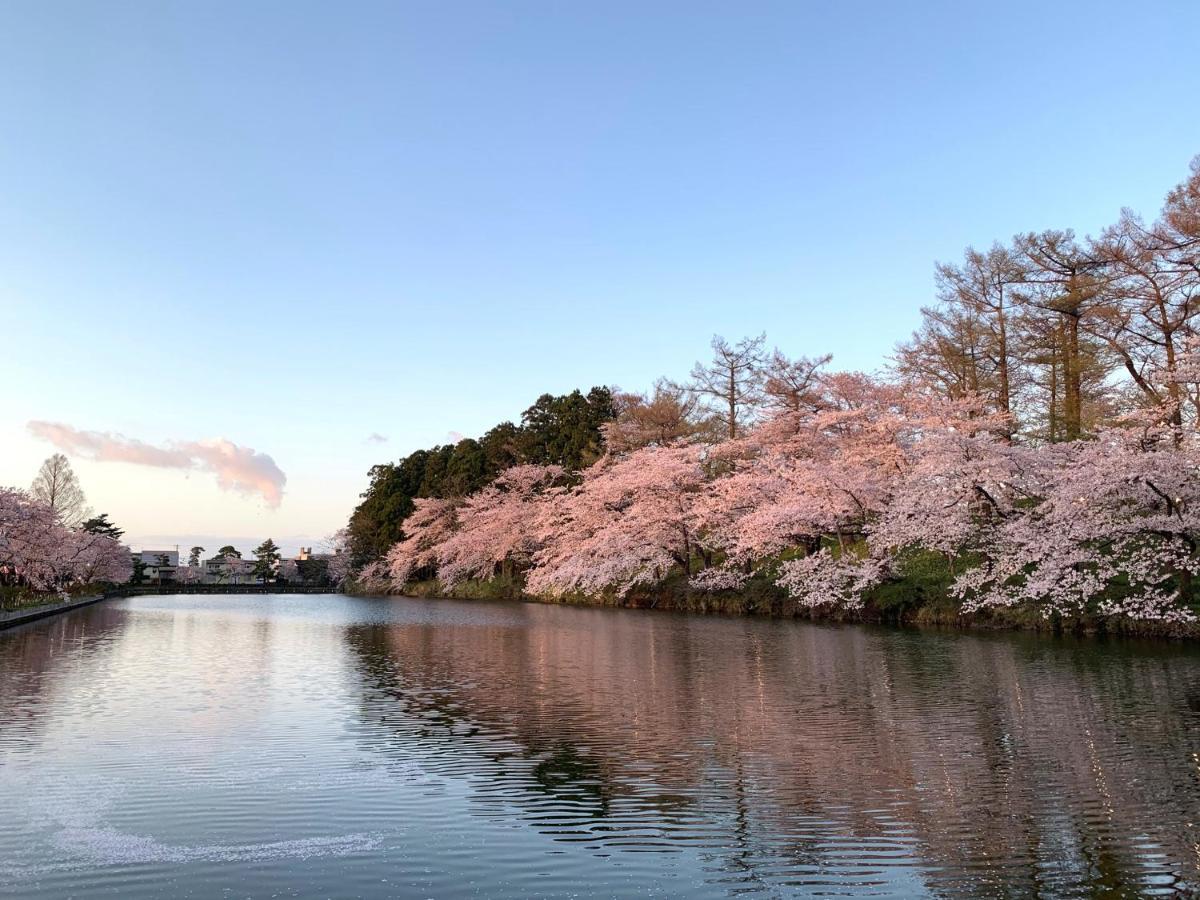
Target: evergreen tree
x,y
267,559
564,430
101,525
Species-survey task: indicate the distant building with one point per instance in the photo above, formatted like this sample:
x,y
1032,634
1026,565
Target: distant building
x,y
159,565
307,567
158,557
306,555
230,570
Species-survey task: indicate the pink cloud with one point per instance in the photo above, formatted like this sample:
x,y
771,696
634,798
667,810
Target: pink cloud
x,y
107,447
237,468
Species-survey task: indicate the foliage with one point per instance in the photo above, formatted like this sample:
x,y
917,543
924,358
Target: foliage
x,y
1034,449
564,431
873,496
40,552
266,559
101,525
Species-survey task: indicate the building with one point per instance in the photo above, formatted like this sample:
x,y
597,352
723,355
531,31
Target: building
x,y
159,565
314,568
229,570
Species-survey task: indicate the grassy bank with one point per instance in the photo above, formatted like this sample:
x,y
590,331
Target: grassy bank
x,y
920,599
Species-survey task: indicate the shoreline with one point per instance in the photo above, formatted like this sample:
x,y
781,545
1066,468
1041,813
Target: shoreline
x,y
24,616
927,617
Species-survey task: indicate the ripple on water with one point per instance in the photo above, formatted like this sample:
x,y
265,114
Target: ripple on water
x,y
337,746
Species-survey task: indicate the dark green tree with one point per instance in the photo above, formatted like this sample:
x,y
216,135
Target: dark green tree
x,y
436,464
313,571
564,430
101,525
267,558
376,522
466,469
501,448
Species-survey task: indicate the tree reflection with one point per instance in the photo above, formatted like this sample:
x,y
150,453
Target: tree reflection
x,y
793,754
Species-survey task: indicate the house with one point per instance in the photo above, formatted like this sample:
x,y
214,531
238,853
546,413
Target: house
x,y
230,570
159,565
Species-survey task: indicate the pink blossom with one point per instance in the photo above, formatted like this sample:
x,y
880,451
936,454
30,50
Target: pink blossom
x,y
37,551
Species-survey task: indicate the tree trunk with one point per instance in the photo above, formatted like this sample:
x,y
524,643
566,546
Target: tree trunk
x,y
1003,400
732,405
1052,410
1073,388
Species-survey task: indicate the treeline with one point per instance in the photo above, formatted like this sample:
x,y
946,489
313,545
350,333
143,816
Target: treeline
x,y
1033,446
560,430
1065,334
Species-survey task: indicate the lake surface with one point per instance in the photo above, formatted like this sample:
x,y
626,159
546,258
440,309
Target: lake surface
x,y
323,746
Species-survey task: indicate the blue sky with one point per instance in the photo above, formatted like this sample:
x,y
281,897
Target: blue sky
x,y
292,225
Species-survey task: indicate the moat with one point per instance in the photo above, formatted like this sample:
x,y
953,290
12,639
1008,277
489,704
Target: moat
x,y
263,745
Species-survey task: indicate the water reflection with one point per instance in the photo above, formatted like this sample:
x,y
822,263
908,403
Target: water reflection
x,y
800,755
334,746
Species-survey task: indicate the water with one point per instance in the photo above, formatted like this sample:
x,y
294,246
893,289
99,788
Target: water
x,y
318,746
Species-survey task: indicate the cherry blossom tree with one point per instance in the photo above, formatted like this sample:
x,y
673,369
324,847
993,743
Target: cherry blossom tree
x,y
189,574
822,579
871,472
834,494
98,558
497,526
29,533
807,476
1115,532
339,568
629,522
433,521
38,551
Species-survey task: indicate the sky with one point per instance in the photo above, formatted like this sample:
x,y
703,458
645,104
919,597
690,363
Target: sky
x,y
246,242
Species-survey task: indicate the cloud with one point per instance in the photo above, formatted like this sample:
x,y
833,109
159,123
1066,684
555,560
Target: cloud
x,y
107,447
454,437
376,438
240,469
